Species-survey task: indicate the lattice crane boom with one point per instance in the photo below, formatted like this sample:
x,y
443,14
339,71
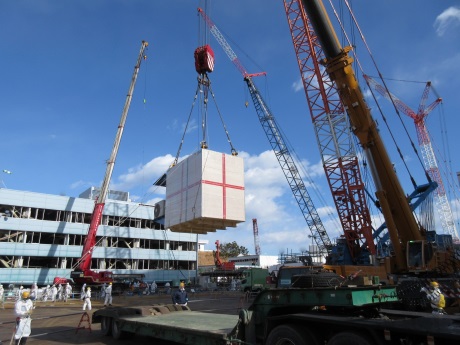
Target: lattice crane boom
x,y
333,135
255,229
426,149
225,46
281,150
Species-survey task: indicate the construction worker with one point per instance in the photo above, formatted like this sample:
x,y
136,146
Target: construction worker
x,y
34,292
23,308
103,287
2,295
108,295
67,292
87,299
168,288
60,293
54,292
46,293
436,298
19,293
153,287
457,293
180,297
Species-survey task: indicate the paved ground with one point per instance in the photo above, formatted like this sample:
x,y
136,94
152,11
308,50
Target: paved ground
x,y
56,323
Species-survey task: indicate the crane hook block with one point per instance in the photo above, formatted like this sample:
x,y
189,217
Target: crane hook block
x,y
204,59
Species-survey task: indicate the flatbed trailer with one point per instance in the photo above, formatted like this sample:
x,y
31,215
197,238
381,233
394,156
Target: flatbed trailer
x,y
295,316
189,327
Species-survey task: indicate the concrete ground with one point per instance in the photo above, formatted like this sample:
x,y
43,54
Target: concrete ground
x,y
56,323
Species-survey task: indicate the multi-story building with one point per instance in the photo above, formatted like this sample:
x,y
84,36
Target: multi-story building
x,y
42,236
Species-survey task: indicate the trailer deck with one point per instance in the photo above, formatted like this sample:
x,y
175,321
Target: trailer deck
x,y
172,323
191,323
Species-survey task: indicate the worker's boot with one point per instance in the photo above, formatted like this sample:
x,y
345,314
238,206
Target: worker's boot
x,y
21,341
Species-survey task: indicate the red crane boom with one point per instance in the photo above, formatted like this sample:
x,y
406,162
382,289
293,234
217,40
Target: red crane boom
x,y
332,128
84,274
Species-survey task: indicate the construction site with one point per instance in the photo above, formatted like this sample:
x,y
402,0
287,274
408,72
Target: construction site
x,y
392,276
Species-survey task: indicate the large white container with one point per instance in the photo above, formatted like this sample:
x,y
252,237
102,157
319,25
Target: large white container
x,y
205,192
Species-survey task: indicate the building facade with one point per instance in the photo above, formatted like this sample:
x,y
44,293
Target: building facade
x,y
42,236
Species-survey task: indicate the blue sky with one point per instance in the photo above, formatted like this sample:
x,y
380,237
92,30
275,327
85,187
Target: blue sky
x,y
66,68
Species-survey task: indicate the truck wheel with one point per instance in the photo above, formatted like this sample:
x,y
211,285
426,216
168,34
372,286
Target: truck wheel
x,y
346,338
290,335
117,333
106,325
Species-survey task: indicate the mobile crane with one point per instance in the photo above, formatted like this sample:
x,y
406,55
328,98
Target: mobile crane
x,y
332,127
413,252
84,273
226,266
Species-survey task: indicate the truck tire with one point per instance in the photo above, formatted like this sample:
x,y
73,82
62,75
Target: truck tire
x,y
117,333
290,335
349,338
106,325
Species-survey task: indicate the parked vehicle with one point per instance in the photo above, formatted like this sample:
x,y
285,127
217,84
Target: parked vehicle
x,y
340,315
255,279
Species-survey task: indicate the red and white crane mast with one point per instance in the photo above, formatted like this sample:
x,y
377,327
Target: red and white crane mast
x,y
332,129
426,148
225,46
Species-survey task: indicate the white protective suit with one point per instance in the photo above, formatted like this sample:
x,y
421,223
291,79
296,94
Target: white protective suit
x,y
108,296
87,299
23,308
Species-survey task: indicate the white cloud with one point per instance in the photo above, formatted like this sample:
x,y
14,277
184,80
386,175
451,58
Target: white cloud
x,y
142,174
447,20
269,199
80,183
297,85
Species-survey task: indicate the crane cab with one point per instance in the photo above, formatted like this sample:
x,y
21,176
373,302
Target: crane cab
x,y
429,256
419,255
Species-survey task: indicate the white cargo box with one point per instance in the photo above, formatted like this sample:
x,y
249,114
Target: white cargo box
x,y
205,192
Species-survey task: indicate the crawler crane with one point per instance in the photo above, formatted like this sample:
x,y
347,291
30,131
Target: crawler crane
x,y
426,148
409,241
335,142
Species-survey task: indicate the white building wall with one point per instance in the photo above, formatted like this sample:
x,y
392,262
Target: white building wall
x,y
19,249
263,261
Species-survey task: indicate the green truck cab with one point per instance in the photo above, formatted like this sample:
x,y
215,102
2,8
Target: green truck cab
x,y
256,279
